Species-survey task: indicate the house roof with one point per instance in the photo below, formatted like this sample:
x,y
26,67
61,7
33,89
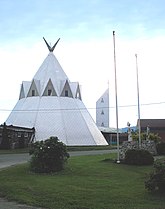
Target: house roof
x,y
152,123
109,129
18,128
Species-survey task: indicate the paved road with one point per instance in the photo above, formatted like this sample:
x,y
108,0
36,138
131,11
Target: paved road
x,y
7,160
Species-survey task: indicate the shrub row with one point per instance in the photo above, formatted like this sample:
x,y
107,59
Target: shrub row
x,y
160,147
156,181
138,157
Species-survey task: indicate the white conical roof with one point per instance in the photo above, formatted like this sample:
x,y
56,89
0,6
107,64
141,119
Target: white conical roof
x,y
52,105
51,68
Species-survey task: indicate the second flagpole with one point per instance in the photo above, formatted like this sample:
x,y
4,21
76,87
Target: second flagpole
x,y
118,150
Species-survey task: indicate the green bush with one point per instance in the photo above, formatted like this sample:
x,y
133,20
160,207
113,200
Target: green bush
x,y
156,181
138,157
160,147
152,137
48,156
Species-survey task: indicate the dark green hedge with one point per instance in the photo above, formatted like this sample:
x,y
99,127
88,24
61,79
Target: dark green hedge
x,y
156,180
138,157
160,147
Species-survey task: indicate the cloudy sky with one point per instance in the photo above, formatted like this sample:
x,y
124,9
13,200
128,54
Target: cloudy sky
x,y
85,50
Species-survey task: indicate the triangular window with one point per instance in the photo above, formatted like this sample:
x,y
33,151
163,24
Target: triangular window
x,y
102,124
49,90
33,90
66,92
102,100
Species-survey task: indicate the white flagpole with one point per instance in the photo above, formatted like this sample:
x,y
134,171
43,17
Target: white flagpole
x,y
118,156
139,126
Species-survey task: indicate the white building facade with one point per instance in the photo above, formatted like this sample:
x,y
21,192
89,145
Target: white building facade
x,y
102,110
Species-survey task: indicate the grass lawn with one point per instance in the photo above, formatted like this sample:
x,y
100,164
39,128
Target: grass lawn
x,y
88,182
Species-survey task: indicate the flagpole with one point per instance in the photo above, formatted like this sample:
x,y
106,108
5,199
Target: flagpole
x,y
118,156
139,126
108,106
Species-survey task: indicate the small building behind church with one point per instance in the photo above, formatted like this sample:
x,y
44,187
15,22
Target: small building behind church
x,y
17,137
155,126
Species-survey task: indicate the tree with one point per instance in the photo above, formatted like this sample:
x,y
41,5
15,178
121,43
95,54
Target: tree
x,y
153,137
5,143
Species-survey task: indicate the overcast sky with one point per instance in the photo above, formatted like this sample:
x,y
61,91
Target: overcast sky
x,y
85,51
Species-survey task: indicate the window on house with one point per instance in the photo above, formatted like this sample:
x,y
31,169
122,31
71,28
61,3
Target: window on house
x,y
49,92
19,134
102,112
102,100
66,93
102,124
26,134
33,93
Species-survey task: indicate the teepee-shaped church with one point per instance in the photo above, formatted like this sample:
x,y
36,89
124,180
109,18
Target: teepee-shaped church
x,y
52,105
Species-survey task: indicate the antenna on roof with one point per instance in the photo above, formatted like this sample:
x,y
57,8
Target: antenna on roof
x,y
51,49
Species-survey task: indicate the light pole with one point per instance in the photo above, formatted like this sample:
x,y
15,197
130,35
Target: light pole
x,y
139,127
118,156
